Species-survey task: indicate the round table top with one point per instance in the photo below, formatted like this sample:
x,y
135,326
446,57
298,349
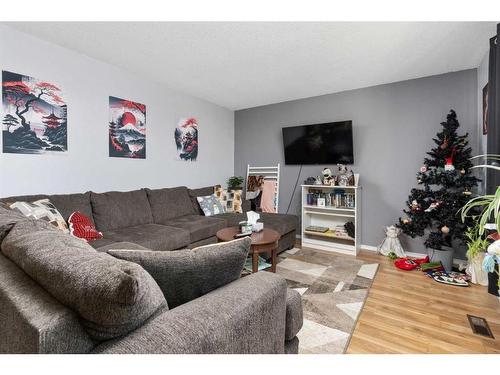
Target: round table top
x,y
264,237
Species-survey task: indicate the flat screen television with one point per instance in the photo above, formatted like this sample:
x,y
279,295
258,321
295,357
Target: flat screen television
x,y
328,143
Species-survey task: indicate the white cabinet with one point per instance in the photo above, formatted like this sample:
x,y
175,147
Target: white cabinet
x,y
343,204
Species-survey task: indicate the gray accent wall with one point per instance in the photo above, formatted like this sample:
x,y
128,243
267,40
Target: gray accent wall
x,y
393,127
87,85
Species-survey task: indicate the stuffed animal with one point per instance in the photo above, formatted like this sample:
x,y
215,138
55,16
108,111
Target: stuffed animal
x,y
327,176
342,178
391,243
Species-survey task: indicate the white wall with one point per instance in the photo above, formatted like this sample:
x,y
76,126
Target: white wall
x,y
482,80
86,84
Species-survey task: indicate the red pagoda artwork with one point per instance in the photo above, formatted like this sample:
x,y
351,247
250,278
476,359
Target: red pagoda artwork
x,y
52,121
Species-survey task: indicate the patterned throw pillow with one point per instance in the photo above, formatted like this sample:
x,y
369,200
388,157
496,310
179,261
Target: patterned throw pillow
x,y
210,205
42,209
81,226
231,200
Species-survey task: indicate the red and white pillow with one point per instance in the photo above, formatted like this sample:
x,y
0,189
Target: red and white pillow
x,y
82,227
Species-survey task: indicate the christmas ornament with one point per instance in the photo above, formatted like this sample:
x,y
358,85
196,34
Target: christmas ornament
x,y
462,171
406,221
445,143
423,169
391,243
449,162
467,192
433,206
445,229
415,206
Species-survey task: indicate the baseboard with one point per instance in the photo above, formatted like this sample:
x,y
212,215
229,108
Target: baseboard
x,y
459,262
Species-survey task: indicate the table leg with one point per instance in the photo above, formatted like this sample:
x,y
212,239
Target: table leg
x,y
273,259
255,262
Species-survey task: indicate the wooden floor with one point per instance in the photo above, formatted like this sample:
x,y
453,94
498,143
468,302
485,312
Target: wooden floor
x,y
406,312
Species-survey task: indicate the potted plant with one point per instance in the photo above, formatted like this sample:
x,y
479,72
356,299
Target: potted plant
x,y
489,215
476,249
235,183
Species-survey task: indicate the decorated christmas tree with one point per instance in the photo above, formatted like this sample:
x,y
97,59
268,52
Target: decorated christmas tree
x,y
446,182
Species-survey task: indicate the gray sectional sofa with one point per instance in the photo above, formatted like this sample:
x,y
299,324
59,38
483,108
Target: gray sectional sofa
x,y
58,294
159,219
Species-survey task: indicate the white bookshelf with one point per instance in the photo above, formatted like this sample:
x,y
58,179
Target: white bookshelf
x,y
331,216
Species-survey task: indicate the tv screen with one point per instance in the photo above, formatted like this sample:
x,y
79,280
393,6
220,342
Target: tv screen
x,y
328,143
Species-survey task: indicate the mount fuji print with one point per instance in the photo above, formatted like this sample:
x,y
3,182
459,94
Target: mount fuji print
x,y
127,129
34,116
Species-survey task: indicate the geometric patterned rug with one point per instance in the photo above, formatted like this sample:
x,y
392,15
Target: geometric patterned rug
x,y
334,289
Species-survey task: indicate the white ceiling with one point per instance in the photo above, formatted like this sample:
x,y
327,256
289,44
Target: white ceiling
x,y
240,65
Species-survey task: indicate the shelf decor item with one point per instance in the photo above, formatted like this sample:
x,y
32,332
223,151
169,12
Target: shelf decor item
x,y
391,243
331,217
432,209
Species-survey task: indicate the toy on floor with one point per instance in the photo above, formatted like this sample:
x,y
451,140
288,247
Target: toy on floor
x,y
408,264
391,243
450,278
431,266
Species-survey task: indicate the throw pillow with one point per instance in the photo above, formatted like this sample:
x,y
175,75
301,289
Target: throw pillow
x,y
231,200
210,205
184,275
41,209
111,296
81,226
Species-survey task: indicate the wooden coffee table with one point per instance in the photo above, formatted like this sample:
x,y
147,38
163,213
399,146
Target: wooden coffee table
x,y
265,241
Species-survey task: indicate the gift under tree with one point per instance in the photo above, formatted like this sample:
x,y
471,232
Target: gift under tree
x,y
445,182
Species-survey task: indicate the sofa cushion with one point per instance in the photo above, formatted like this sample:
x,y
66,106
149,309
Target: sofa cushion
x,y
41,209
199,227
210,205
169,203
82,227
112,297
117,209
281,223
231,200
184,275
122,246
8,218
232,219
200,192
152,236
101,242
66,204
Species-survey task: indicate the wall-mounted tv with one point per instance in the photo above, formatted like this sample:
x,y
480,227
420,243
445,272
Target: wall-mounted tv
x,y
328,143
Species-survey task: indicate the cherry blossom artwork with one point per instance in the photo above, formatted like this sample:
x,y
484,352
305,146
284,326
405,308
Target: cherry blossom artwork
x,y
34,116
186,139
127,129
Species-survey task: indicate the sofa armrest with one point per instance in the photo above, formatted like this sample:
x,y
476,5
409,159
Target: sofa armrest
x,y
294,314
245,316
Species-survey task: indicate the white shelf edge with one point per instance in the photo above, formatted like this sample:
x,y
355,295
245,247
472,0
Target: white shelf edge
x,y
332,186
328,214
330,208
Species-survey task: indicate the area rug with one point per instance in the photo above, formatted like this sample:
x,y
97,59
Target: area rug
x,y
334,289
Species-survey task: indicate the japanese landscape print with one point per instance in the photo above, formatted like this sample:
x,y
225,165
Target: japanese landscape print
x,y
34,116
186,139
127,129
